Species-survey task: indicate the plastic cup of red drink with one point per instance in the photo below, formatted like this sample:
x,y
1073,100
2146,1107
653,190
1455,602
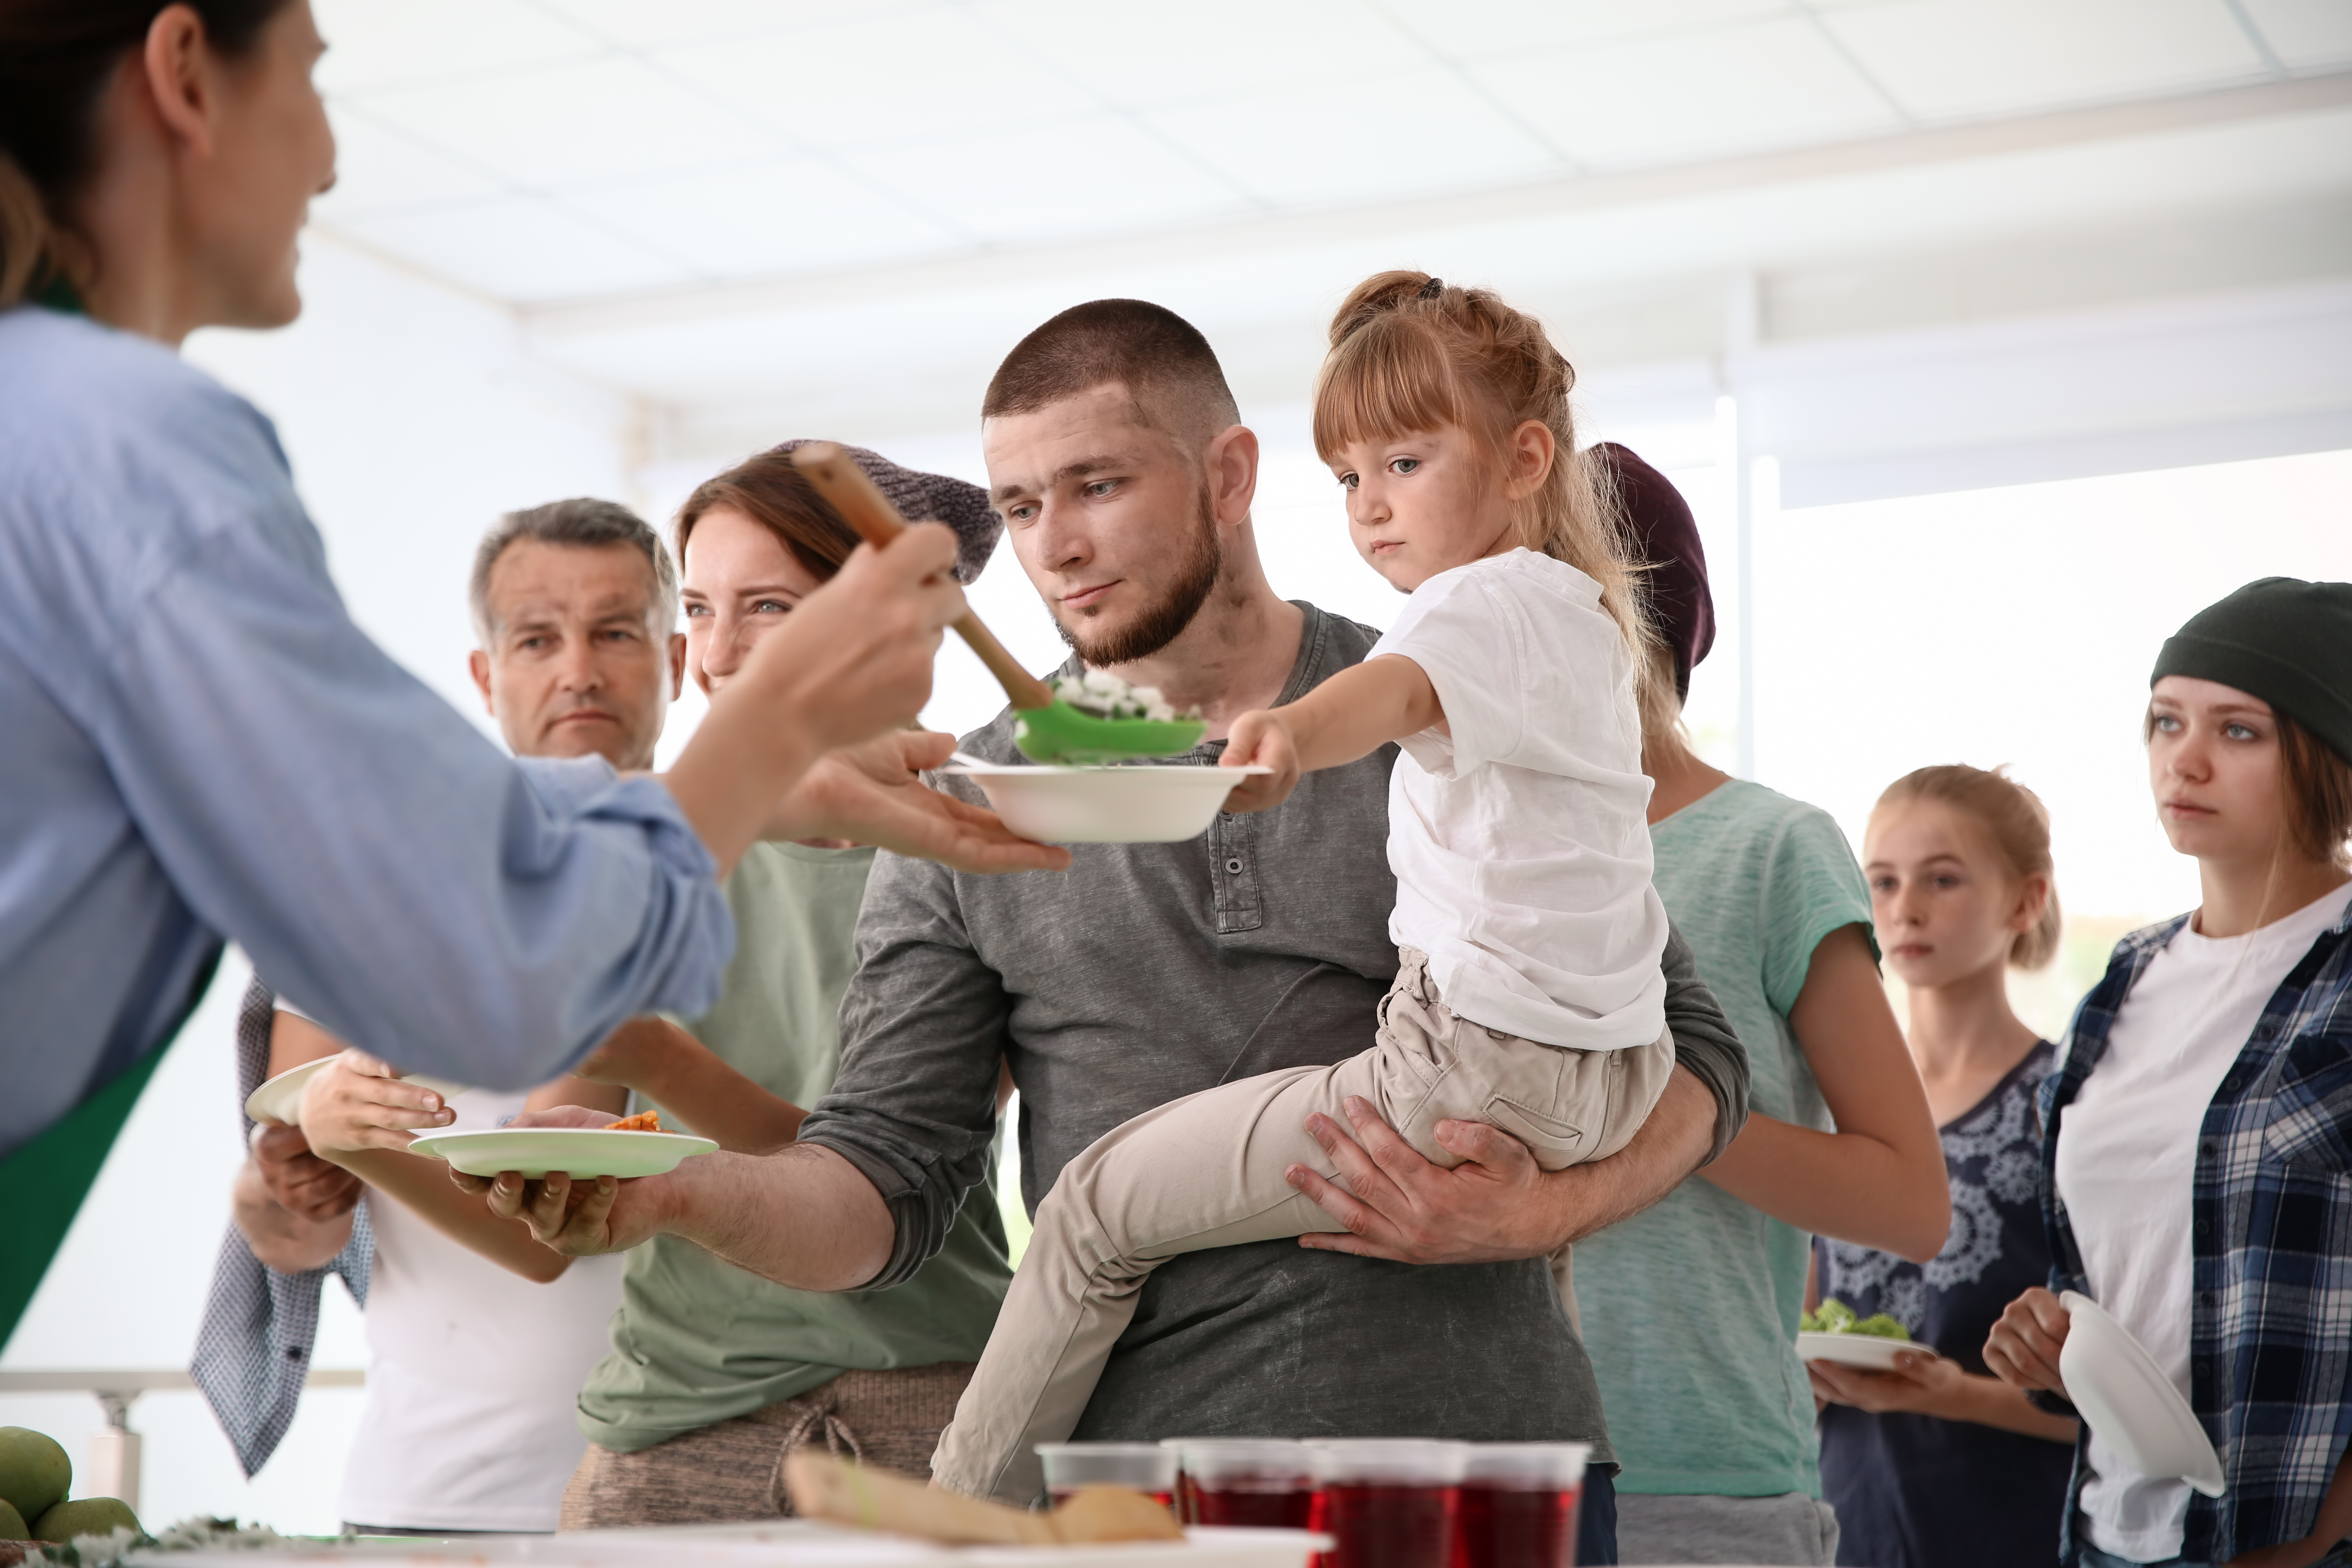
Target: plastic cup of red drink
x,y
1520,1504
1146,1467
1259,1483
1388,1502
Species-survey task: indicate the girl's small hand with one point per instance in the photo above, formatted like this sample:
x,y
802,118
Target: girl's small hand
x,y
359,1103
1261,738
1920,1383
2022,1349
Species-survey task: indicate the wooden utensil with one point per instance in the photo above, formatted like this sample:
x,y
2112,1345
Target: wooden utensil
x,y
1050,731
825,1487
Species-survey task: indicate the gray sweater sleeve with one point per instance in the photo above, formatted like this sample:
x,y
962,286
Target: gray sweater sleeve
x,y
913,1105
1703,1041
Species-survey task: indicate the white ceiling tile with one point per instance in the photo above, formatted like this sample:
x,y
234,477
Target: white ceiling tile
x,y
639,25
2304,33
762,219
1490,29
520,249
1015,187
378,43
1945,59
1401,135
572,124
880,79
1134,55
1716,93
376,169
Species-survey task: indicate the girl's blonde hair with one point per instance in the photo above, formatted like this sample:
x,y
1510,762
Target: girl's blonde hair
x,y
1409,352
2015,824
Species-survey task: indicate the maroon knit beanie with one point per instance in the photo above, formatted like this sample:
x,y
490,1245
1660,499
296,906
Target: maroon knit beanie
x,y
1663,537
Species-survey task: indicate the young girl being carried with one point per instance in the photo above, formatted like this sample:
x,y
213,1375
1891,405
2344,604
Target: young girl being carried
x,y
1528,994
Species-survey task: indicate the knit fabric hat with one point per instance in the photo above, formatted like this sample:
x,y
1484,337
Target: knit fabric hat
x,y
2284,640
932,498
1665,538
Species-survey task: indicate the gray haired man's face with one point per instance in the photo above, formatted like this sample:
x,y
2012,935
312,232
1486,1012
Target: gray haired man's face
x,y
576,663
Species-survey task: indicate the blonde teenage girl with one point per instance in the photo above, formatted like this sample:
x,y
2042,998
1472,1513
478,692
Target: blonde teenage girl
x,y
1528,994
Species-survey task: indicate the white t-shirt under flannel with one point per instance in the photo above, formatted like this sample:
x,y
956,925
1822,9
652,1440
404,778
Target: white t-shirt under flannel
x,y
1517,832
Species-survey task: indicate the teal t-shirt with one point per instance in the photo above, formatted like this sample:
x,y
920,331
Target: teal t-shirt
x,y
696,1340
1690,1307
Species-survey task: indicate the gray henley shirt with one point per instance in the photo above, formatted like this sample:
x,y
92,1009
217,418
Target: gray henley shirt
x,y
1147,972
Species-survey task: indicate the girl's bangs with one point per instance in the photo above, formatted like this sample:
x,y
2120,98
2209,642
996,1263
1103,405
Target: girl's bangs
x,y
1387,379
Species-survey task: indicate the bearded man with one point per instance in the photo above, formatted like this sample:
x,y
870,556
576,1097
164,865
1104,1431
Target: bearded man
x,y
1148,972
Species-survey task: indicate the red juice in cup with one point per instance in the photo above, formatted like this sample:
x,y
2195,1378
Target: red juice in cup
x,y
1520,1504
1254,1482
1388,1503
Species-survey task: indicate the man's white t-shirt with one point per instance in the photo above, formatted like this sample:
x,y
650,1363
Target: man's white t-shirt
x,y
1519,833
2127,1165
473,1375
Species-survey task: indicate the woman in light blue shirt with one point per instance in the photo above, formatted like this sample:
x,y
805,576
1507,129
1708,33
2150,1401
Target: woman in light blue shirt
x,y
195,742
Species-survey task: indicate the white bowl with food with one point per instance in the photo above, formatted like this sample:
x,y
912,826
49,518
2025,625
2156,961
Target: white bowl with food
x,y
581,1152
1133,803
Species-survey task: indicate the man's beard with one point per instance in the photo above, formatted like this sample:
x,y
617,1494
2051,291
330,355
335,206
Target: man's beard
x,y
1164,622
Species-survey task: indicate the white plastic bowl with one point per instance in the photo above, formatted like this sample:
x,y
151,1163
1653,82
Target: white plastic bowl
x,y
1132,804
2130,1403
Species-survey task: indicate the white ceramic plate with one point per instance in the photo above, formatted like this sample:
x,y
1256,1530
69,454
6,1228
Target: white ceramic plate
x,y
2128,1401
280,1098
1132,804
580,1150
1870,1351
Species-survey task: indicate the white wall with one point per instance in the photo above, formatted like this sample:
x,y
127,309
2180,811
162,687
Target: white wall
x,y
412,419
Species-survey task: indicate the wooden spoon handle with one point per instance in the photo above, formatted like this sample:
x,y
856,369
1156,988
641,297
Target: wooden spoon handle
x,y
862,505
825,1487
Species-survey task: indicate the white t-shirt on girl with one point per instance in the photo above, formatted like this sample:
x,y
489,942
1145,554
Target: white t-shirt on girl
x,y
1517,832
474,1373
2127,1163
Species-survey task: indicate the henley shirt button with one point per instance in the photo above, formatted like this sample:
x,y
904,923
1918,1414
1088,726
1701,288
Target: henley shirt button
x,y
1233,867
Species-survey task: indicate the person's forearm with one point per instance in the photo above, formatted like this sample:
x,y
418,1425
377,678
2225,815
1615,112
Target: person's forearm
x,y
1841,1184
1583,1199
802,1216
423,1186
1989,1402
281,1239
717,1101
1361,709
745,756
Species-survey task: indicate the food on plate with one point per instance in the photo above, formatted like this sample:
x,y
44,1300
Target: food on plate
x,y
643,1121
1834,1317
86,1516
1105,696
34,1471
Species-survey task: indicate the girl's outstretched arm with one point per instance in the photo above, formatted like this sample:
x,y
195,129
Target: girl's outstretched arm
x,y
1355,712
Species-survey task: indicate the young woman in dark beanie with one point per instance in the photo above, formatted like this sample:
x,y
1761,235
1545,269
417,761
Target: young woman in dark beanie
x,y
2198,1134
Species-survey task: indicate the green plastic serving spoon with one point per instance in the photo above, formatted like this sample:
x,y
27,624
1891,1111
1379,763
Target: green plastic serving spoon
x,y
1049,730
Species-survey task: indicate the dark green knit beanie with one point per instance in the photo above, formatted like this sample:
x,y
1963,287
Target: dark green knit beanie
x,y
2284,640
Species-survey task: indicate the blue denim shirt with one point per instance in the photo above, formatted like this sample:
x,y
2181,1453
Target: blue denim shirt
x,y
196,743
2270,1345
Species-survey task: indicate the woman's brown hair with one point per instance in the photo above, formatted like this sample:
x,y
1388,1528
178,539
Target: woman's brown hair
x,y
56,56
1412,352
2015,824
773,493
2318,783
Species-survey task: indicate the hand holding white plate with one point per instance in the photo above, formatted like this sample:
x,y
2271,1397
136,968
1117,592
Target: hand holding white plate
x,y
1132,804
1872,1353
2128,1401
579,1152
280,1098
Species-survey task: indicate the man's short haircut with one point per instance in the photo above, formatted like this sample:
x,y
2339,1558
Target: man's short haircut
x,y
1161,359
585,521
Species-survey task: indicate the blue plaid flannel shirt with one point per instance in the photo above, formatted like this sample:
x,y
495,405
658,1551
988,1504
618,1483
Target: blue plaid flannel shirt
x,y
2270,1356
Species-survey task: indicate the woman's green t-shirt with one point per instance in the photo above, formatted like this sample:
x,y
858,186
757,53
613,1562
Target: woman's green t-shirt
x,y
696,1340
1690,1307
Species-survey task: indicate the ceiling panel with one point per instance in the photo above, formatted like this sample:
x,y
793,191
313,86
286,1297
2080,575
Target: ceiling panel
x,y
1393,136
1945,58
1013,187
521,249
775,216
881,79
635,24
1137,55
572,124
1722,91
377,170
379,43
2304,33
1492,29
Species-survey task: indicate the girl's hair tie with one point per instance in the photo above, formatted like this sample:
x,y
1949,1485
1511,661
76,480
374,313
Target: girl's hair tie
x,y
1432,288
